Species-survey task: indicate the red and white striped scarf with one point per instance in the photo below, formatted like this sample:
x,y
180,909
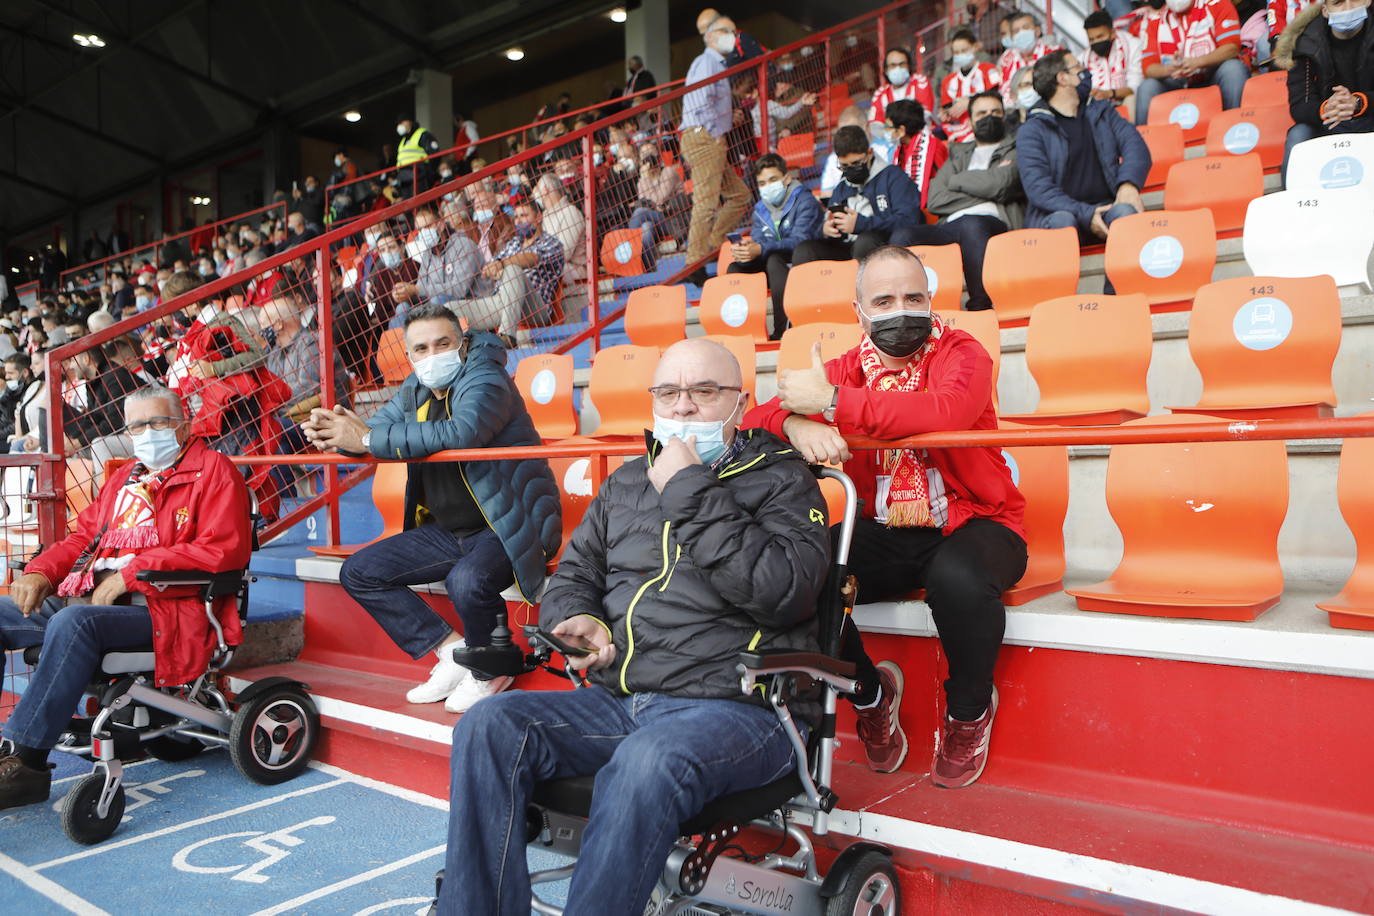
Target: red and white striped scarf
x,y
132,528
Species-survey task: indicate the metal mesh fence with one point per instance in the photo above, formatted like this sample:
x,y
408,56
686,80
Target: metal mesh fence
x,y
19,538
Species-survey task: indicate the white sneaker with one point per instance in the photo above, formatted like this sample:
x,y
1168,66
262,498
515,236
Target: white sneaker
x,y
444,678
472,690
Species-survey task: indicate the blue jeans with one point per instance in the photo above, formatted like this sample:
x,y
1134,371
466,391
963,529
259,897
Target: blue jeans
x,y
647,220
73,639
473,568
1230,75
971,234
658,760
1067,219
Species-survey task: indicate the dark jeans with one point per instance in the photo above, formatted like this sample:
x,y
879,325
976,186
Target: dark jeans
x,y
775,265
658,760
971,234
473,568
860,248
964,575
291,441
73,639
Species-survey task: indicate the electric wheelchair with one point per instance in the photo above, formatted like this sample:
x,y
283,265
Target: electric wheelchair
x,y
707,872
271,735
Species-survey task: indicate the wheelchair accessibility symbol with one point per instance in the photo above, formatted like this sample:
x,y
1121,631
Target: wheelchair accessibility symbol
x,y
1262,324
1161,256
543,386
1342,172
1185,115
138,794
1240,138
272,846
734,310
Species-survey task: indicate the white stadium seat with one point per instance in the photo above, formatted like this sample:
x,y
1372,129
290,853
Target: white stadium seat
x,y
1306,233
1332,163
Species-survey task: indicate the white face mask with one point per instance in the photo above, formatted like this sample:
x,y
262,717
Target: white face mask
x,y
428,236
724,44
400,130
482,216
437,372
1027,98
156,447
1180,6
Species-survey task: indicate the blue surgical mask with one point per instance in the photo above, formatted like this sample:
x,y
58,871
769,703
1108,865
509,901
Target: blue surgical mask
x,y
428,236
1347,21
391,259
964,61
1006,42
156,447
1027,98
437,372
1023,40
773,192
482,216
898,76
710,435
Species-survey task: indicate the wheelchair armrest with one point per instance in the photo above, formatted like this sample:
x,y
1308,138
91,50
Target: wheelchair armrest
x,y
215,584
833,671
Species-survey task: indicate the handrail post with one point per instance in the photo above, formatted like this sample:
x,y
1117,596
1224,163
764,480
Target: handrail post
x,y
328,396
765,122
1049,20
882,47
57,443
589,211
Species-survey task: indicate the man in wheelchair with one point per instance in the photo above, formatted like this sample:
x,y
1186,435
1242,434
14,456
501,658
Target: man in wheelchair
x,y
714,544
177,506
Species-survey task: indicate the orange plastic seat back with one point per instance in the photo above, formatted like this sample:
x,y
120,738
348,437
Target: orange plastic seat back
x,y
1265,346
546,383
1090,354
724,259
622,253
656,316
944,272
392,360
619,388
1265,89
798,150
821,291
1354,606
1200,525
1223,184
1164,254
1027,266
984,328
741,346
735,304
795,350
576,487
1041,473
1251,129
389,496
1166,147
1190,109
80,490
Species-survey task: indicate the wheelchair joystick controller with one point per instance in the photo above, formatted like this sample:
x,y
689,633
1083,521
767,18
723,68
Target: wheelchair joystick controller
x,y
501,658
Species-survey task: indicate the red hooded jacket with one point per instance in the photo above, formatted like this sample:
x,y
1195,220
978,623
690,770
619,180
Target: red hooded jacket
x,y
956,395
202,522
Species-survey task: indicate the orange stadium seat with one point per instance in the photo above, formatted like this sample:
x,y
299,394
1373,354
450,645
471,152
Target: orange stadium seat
x,y
944,271
795,350
392,361
1165,254
1027,266
1265,89
1089,354
1042,475
821,291
1265,347
389,496
619,388
546,383
1166,147
798,150
1353,608
724,259
622,253
577,486
1244,130
656,316
1200,525
1223,184
735,304
742,347
1190,109
983,326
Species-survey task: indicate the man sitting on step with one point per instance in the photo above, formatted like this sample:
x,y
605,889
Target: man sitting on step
x,y
473,526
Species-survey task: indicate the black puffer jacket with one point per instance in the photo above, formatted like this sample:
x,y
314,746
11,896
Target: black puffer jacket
x,y
719,562
1304,50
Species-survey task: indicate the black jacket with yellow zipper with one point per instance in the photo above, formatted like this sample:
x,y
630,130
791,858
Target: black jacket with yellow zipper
x,y
722,560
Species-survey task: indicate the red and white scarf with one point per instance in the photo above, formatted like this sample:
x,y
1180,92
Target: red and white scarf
x,y
908,500
1108,72
132,528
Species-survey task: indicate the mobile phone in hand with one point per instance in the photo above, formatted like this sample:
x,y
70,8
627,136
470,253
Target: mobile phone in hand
x,y
735,237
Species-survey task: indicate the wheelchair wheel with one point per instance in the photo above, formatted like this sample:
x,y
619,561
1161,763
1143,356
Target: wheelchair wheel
x,y
871,889
274,735
81,821
172,749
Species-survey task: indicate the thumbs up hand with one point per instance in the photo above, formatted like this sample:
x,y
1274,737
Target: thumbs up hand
x,y
806,391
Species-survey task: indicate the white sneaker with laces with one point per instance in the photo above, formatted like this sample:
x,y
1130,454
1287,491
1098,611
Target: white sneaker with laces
x,y
472,690
444,678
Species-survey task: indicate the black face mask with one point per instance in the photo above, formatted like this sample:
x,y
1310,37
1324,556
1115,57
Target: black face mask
x,y
1102,48
1156,4
183,319
856,174
900,335
990,129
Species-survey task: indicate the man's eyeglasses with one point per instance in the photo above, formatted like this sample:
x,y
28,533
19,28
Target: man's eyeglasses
x,y
158,423
700,395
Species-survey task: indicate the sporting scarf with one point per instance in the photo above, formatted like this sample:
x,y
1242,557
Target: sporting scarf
x,y
1108,72
132,528
908,500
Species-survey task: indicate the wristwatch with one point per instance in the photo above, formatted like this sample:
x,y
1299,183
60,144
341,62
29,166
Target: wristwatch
x,y
367,441
829,412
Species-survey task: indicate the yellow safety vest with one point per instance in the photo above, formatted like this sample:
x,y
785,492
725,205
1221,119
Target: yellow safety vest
x,y
410,151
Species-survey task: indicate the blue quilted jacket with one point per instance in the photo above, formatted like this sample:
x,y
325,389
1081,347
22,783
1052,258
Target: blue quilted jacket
x,y
519,497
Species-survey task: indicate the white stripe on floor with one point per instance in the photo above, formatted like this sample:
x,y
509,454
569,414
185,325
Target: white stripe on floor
x,y
53,891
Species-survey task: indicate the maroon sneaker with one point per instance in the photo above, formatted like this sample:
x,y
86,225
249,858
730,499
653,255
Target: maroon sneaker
x,y
963,750
882,736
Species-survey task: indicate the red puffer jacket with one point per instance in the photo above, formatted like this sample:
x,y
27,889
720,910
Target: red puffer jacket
x,y
956,395
202,522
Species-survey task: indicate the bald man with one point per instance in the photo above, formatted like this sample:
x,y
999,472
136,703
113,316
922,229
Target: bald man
x,y
705,18
716,541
